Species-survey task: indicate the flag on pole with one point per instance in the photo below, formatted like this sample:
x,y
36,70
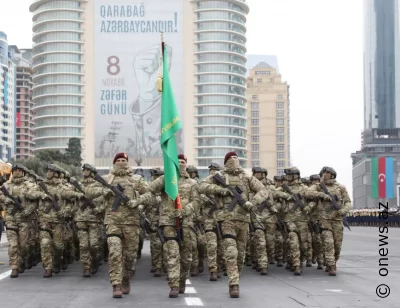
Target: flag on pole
x,y
170,125
382,185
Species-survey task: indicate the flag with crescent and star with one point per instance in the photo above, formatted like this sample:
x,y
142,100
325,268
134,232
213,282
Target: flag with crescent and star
x,y
382,171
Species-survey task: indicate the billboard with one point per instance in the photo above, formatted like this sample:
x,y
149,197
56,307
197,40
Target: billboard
x,y
127,61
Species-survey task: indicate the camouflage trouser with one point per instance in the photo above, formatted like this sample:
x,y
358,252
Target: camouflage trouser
x,y
235,235
155,248
31,240
69,245
89,245
332,237
279,255
198,249
179,258
51,242
260,248
123,242
212,248
221,256
18,237
298,241
318,254
309,253
270,233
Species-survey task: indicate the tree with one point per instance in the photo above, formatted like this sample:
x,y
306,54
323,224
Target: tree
x,y
49,156
73,153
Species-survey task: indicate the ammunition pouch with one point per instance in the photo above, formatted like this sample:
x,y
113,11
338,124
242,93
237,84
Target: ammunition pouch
x,y
46,230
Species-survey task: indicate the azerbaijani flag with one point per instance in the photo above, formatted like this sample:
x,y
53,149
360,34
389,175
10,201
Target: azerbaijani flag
x,y
382,170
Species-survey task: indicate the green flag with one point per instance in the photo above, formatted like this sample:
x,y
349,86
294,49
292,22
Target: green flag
x,y
170,124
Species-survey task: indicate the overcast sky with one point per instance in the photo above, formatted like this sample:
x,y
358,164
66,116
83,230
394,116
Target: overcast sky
x,y
319,48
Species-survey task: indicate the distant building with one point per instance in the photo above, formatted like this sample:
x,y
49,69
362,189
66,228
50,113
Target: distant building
x,y
24,104
268,114
7,100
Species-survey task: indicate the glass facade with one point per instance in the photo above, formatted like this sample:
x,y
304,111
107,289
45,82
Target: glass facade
x,y
381,64
220,80
57,65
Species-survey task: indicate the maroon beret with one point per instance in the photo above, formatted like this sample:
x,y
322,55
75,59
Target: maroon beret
x,y
229,155
182,156
120,155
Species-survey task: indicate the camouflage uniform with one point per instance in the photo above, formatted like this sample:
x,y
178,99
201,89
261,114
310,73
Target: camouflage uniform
x,y
296,218
18,224
198,249
153,214
179,256
123,226
34,240
51,226
87,222
280,233
330,220
235,224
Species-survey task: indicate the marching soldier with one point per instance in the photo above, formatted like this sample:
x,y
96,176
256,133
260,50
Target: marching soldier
x,y
235,223
177,250
330,218
19,199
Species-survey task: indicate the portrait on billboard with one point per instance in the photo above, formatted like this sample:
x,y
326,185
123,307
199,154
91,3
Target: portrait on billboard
x,y
127,64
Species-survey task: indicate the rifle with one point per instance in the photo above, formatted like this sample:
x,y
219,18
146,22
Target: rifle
x,y
281,226
200,228
86,201
53,203
219,232
335,205
334,198
263,205
296,197
215,206
117,190
236,192
145,224
160,234
15,200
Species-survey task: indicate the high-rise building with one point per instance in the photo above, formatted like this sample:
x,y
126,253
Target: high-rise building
x,y
381,134
220,80
95,67
23,104
7,100
58,70
269,119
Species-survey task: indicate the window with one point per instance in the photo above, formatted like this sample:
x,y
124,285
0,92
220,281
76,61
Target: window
x,y
255,114
280,147
280,122
259,80
255,163
254,96
255,130
254,106
280,138
279,105
280,172
255,138
280,130
280,164
280,113
280,155
271,80
254,121
255,155
255,147
280,96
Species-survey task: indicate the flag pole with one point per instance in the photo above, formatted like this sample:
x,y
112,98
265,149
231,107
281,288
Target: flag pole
x,y
160,76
